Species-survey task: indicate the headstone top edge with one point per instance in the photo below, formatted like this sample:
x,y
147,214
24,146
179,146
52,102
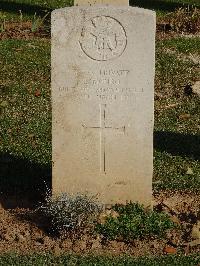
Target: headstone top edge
x,y
139,10
102,2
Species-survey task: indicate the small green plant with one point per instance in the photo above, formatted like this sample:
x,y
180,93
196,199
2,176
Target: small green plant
x,y
66,212
20,15
134,222
38,22
2,25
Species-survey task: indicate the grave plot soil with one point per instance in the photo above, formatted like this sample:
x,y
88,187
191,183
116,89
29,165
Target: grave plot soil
x,y
22,31
24,233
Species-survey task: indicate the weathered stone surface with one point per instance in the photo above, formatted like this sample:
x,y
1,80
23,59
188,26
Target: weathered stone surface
x,y
101,2
102,97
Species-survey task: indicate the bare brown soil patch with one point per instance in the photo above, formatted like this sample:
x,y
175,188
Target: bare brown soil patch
x,y
23,232
22,30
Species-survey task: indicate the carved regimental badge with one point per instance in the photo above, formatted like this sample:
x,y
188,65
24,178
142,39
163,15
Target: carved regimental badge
x,y
103,38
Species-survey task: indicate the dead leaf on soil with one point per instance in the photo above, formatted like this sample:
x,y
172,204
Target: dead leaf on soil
x,y
171,212
184,116
18,49
37,93
169,208
176,220
4,104
170,250
31,45
189,171
108,213
171,105
31,136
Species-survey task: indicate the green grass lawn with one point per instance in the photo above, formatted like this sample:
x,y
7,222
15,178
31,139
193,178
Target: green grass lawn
x,y
25,110
25,116
41,260
177,118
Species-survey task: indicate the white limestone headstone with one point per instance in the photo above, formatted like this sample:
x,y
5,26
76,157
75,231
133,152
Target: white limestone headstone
x,y
103,60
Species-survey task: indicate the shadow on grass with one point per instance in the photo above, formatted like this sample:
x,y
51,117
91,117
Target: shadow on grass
x,y
22,183
158,5
29,9
177,144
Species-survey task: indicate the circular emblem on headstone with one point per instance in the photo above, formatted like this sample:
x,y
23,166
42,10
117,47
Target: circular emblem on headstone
x,y
103,38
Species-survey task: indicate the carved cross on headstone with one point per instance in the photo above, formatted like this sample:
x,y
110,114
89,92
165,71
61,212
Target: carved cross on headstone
x,y
102,127
101,2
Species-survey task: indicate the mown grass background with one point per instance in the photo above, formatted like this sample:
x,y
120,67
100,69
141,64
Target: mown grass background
x,y
26,119
40,260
